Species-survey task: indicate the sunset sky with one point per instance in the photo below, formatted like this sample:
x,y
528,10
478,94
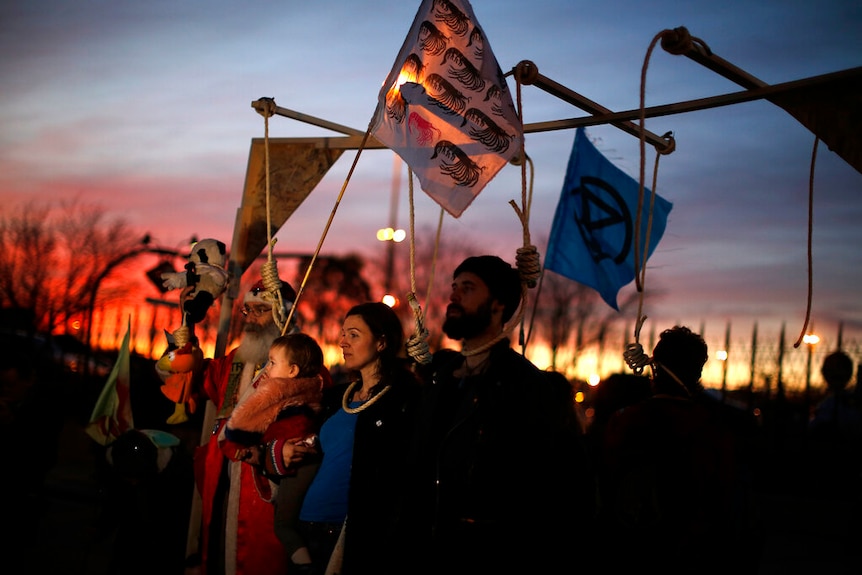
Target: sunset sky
x,y
145,109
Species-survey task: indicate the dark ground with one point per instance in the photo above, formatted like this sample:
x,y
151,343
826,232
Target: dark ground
x,y
70,525
65,511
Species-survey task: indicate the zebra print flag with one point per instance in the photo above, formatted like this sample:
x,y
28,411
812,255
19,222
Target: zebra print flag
x,y
445,107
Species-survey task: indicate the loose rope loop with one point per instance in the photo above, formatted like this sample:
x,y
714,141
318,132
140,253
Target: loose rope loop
x,y
810,234
417,344
634,354
269,271
527,257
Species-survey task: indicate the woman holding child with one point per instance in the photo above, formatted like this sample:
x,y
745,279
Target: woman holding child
x,y
363,439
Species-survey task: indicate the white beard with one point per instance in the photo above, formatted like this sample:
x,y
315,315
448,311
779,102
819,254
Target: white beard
x,y
254,347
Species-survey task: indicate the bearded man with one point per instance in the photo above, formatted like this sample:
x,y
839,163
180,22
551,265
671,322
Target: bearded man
x,y
237,536
499,480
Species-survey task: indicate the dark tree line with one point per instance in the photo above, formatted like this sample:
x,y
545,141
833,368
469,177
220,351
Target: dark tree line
x,y
53,258
58,263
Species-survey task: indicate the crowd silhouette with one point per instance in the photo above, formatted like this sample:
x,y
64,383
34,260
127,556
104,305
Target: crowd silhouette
x,y
682,478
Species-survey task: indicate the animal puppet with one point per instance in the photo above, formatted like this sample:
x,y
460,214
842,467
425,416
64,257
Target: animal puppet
x,y
181,364
206,272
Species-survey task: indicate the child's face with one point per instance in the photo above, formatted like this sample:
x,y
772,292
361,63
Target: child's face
x,y
279,364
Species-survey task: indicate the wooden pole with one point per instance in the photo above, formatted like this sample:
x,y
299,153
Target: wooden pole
x,y
808,367
751,367
726,361
840,344
780,377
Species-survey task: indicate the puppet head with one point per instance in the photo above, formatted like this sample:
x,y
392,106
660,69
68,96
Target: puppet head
x,y
205,271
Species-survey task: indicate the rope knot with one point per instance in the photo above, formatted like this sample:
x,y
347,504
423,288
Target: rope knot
x,y
265,107
417,344
417,347
635,358
526,72
527,259
677,41
182,336
670,146
272,283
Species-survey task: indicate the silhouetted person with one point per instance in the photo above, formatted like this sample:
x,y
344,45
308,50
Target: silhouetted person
x,y
670,497
837,418
614,393
146,503
500,482
835,429
31,418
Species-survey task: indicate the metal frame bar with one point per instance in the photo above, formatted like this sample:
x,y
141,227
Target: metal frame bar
x,y
764,92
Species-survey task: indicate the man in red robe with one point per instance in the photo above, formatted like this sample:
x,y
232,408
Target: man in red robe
x,y
237,535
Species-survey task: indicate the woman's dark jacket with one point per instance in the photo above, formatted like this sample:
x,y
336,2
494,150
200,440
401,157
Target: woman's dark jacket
x,y
379,446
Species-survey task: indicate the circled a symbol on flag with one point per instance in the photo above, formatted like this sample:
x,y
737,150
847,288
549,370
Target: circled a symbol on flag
x,y
603,207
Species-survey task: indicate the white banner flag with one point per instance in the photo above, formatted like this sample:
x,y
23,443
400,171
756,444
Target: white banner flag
x,y
445,107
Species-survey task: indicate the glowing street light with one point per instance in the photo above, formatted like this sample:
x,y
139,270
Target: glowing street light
x,y
811,339
391,235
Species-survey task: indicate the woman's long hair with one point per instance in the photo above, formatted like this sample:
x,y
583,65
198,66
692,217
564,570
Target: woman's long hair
x,y
385,325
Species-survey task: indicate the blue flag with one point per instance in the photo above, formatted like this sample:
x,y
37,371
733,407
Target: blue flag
x,y
592,238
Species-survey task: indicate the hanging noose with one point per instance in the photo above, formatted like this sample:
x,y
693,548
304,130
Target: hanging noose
x,y
269,271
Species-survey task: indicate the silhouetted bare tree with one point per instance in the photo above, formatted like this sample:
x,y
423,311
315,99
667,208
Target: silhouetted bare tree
x,y
52,260
572,316
28,251
334,285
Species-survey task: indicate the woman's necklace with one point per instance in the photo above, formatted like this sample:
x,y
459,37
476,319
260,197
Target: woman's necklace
x,y
345,401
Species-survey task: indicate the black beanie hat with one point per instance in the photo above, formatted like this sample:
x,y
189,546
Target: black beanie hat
x,y
503,281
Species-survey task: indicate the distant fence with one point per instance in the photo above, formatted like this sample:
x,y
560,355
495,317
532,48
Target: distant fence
x,y
757,365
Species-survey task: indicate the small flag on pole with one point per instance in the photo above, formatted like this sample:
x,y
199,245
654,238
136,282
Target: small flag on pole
x,y
112,414
592,237
445,107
